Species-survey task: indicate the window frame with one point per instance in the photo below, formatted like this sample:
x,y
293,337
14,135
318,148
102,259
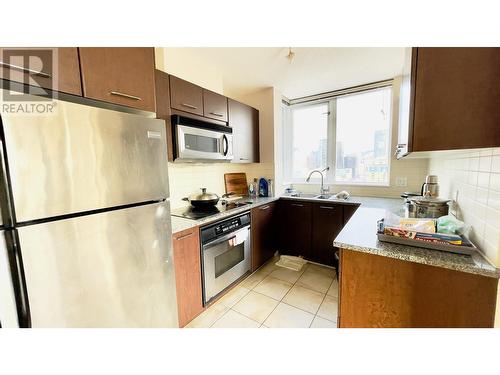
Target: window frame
x,y
332,141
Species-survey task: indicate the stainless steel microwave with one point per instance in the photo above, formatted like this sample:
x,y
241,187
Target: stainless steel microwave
x,y
196,140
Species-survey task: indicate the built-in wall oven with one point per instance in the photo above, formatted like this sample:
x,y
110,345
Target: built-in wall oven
x,y
225,254
197,140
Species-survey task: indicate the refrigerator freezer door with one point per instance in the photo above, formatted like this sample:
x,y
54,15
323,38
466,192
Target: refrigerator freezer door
x,y
8,309
112,269
83,158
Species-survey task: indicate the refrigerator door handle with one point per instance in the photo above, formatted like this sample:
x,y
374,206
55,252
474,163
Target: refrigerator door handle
x,y
5,202
18,279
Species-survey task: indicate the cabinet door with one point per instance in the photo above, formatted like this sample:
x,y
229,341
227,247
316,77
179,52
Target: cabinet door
x,y
186,96
457,91
63,75
187,261
327,222
349,210
162,90
295,236
214,105
245,123
119,75
264,233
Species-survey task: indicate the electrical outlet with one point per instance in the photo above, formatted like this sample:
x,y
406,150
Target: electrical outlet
x,y
401,181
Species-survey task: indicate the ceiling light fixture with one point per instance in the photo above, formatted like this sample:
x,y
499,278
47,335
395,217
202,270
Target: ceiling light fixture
x,y
290,55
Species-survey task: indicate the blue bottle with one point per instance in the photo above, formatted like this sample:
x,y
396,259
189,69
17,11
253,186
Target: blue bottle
x,y
263,187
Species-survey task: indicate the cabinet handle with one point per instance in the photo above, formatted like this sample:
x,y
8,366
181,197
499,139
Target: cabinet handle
x,y
216,114
326,207
243,159
128,96
298,205
185,236
189,105
25,70
263,208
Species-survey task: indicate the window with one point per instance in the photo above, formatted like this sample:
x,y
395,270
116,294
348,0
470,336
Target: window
x,y
351,134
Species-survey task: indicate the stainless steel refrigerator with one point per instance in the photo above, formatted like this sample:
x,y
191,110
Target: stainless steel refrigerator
x,y
85,237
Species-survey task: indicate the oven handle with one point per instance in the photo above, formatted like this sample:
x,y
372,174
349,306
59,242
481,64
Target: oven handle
x,y
228,236
225,147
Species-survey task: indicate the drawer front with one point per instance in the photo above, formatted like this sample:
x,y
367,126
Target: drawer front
x,y
214,105
186,96
122,76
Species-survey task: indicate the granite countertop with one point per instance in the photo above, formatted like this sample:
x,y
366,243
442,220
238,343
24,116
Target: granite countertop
x,y
360,234
179,224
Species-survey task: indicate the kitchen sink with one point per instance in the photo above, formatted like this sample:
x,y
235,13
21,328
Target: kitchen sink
x,y
304,195
316,196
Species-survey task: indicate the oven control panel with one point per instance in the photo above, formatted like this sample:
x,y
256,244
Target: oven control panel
x,y
221,228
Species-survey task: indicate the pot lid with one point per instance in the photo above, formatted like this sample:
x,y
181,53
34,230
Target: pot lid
x,y
429,201
204,196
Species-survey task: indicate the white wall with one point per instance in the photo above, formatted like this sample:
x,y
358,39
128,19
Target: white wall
x,y
414,170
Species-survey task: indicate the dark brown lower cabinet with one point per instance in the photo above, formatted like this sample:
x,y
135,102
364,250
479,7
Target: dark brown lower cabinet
x,y
327,222
187,261
295,232
264,234
377,291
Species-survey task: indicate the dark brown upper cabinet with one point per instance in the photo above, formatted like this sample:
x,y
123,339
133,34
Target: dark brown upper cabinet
x,y
62,74
245,123
449,99
186,96
122,76
163,111
214,105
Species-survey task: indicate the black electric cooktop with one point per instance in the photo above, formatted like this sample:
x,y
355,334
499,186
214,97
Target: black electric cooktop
x,y
195,213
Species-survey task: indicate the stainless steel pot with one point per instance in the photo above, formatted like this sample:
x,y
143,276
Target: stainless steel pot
x,y
429,207
203,200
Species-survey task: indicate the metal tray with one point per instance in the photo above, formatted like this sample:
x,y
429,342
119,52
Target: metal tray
x,y
467,250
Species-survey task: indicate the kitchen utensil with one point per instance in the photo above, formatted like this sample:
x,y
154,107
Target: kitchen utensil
x,y
431,187
236,183
425,207
203,200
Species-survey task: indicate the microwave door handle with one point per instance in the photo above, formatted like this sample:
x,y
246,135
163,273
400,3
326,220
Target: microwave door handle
x,y
225,146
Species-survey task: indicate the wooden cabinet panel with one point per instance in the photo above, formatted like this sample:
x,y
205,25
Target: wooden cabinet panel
x,y
264,234
295,233
327,222
245,123
187,261
162,90
377,291
349,210
455,98
63,76
186,96
119,75
214,105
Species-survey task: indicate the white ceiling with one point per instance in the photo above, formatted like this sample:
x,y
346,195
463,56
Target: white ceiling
x,y
312,71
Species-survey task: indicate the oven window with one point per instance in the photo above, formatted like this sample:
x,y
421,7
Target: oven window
x,y
229,259
200,143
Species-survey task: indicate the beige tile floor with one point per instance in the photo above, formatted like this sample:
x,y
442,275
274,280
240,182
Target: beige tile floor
x,y
274,297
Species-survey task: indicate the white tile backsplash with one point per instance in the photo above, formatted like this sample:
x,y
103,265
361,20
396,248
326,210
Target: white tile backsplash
x,y
474,177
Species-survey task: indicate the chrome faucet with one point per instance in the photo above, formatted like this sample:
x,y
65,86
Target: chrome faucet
x,y
322,190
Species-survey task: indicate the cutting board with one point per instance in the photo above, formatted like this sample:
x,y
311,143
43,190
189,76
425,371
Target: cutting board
x,y
236,183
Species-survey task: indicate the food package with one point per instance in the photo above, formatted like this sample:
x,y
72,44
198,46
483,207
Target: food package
x,y
412,224
448,239
451,225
